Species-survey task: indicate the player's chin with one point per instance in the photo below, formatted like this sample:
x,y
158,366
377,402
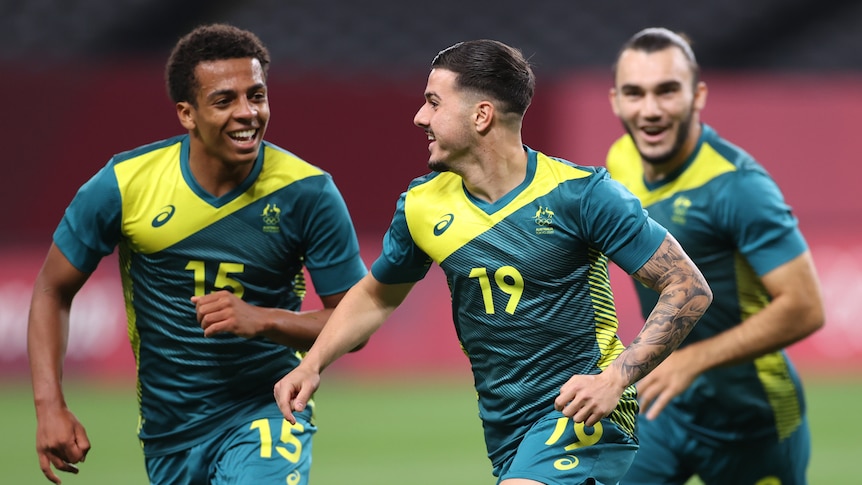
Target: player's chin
x,y
244,155
438,165
655,154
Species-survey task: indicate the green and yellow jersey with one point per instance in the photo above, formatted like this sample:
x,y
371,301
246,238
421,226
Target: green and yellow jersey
x,y
732,220
531,299
175,241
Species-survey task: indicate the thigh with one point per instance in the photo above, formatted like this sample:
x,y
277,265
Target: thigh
x,y
266,450
763,463
661,455
558,451
186,467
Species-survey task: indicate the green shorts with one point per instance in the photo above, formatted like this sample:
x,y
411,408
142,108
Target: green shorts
x,y
670,454
263,450
558,451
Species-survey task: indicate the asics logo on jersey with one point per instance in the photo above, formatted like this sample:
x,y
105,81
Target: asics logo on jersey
x,y
164,216
444,224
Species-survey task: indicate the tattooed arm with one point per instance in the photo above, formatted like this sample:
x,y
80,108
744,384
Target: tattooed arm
x,y
794,311
684,297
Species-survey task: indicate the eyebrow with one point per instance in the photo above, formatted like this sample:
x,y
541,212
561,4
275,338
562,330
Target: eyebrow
x,y
233,92
662,85
221,92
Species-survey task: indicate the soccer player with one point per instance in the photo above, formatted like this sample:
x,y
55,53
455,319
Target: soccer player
x,y
214,228
727,405
524,240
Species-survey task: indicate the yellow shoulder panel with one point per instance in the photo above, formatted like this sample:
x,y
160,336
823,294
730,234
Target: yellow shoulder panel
x,y
442,218
624,164
154,192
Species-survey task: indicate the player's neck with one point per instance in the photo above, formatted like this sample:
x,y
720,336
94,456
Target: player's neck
x,y
217,177
497,170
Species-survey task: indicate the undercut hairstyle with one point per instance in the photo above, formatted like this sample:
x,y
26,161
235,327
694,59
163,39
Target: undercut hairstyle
x,y
214,42
491,68
654,39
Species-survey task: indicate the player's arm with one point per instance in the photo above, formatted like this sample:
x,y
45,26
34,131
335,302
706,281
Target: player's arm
x,y
61,440
222,311
795,312
766,234
304,327
332,244
684,296
359,314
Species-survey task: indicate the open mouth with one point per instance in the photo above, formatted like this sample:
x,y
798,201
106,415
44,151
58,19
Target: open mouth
x,y
653,134
243,136
653,130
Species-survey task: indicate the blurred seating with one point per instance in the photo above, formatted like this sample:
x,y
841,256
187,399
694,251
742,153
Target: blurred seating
x,y
394,36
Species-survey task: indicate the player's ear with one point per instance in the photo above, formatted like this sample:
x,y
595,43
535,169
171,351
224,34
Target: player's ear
x,y
615,102
700,92
184,114
483,115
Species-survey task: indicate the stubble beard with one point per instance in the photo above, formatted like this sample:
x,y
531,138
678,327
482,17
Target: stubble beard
x,y
681,136
438,166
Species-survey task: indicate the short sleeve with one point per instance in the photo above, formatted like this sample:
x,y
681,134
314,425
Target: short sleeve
x,y
764,228
332,258
618,225
401,260
91,225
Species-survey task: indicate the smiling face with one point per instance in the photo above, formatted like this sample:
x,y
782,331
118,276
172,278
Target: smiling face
x,y
445,117
656,98
230,114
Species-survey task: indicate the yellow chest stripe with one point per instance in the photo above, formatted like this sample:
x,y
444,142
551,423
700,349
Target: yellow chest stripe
x,y
159,208
624,164
442,218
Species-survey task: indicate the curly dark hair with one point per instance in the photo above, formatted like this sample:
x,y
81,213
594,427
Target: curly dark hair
x,y
208,43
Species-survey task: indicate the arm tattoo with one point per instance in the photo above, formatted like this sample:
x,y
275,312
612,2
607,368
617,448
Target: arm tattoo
x,y
684,297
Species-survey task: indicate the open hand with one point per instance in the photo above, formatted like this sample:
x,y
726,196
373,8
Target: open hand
x,y
294,390
665,382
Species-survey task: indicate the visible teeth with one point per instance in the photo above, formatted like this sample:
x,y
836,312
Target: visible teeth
x,y
431,137
242,134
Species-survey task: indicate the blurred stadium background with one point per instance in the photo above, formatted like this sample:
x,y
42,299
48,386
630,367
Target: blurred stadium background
x,y
83,80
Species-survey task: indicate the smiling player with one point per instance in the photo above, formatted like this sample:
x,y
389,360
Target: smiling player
x,y
524,240
728,404
214,228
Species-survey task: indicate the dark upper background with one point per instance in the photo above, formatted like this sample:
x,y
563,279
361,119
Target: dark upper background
x,y
342,37
82,79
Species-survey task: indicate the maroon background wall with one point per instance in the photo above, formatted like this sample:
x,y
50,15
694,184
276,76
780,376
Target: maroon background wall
x,y
62,125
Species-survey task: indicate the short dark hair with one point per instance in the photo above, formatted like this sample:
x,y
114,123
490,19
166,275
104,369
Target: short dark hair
x,y
493,68
211,42
654,39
